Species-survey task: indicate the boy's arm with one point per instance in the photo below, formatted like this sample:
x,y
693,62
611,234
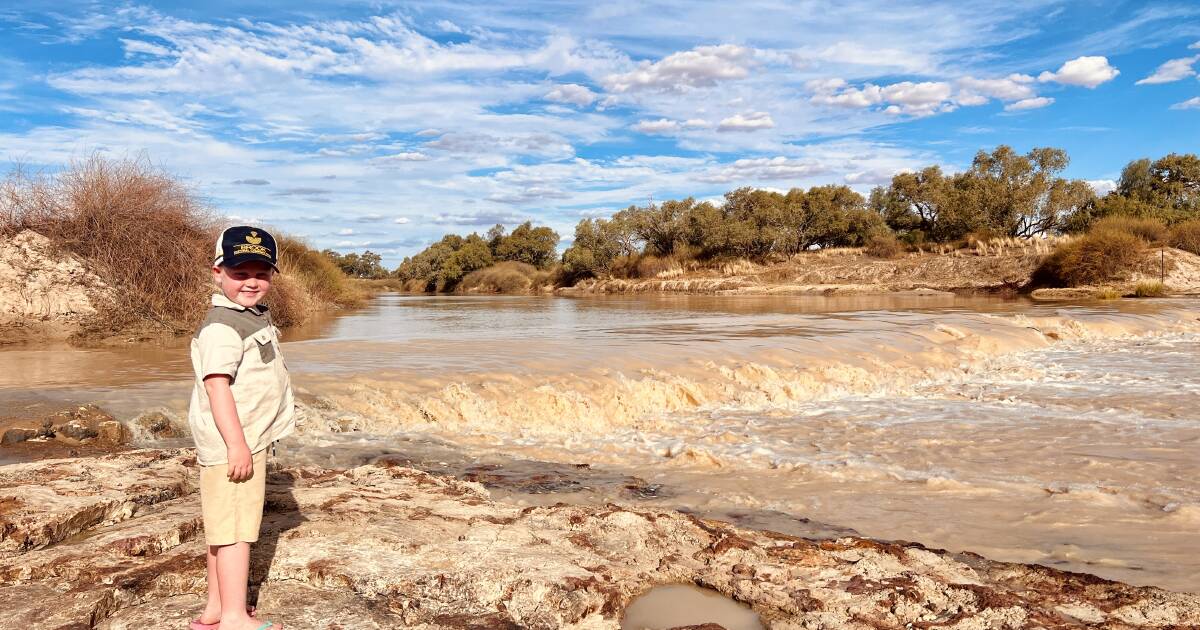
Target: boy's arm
x,y
224,411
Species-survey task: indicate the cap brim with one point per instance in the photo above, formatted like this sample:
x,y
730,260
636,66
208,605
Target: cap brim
x,y
238,261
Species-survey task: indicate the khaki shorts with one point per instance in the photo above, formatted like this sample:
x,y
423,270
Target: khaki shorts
x,y
232,511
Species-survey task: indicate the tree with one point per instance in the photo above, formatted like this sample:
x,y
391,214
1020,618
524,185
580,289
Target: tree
x,y
1021,195
533,245
472,255
922,202
597,243
824,217
365,265
1176,183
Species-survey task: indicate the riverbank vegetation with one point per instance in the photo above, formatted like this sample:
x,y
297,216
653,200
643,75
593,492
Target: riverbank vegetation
x,y
445,264
150,239
1004,195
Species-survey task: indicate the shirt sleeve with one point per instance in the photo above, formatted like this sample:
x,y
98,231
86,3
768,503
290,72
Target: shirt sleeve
x,y
220,349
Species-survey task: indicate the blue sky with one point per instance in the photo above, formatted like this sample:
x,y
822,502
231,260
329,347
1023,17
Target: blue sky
x,y
385,125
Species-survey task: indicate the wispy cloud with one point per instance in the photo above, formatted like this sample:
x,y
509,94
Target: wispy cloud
x,y
462,115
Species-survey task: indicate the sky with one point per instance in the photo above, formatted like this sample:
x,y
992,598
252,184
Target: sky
x,y
382,126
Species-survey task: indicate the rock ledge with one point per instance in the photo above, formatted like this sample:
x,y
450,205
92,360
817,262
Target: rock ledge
x,y
116,542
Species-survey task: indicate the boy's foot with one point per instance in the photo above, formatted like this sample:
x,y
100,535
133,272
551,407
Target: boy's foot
x,y
212,616
248,623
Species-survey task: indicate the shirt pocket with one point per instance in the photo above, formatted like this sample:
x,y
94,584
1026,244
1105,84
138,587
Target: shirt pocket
x,y
266,348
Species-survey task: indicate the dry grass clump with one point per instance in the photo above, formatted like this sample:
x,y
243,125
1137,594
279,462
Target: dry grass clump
x,y
510,276
1097,257
1152,231
1107,293
882,244
140,229
1186,236
1150,289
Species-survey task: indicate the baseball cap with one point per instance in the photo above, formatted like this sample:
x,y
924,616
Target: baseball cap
x,y
243,243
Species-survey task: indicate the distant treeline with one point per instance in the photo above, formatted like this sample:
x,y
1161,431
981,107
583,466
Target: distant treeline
x,y
1002,194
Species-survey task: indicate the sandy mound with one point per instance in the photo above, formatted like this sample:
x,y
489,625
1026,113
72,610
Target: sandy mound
x,y
40,282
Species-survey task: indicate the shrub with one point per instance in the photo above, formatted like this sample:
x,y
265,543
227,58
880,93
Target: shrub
x,y
882,244
1150,230
308,280
652,266
1107,293
505,277
1097,257
1186,236
1150,289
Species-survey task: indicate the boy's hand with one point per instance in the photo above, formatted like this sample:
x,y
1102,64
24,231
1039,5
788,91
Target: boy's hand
x,y
240,465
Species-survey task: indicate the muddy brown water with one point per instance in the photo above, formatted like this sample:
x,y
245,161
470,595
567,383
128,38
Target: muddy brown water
x,y
1062,434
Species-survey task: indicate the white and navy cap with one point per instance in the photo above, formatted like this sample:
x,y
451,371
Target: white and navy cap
x,y
243,243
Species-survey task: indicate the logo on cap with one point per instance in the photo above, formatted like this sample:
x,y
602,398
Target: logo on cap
x,y
251,246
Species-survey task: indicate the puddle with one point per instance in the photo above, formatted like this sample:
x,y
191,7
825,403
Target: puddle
x,y
677,605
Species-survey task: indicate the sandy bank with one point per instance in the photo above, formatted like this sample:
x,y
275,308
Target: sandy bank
x,y
116,542
44,292
1004,269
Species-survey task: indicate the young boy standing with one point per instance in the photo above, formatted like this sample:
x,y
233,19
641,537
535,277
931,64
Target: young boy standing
x,y
241,403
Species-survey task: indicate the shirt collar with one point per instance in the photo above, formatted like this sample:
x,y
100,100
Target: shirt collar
x,y
219,299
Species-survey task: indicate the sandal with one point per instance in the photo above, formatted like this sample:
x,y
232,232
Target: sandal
x,y
196,625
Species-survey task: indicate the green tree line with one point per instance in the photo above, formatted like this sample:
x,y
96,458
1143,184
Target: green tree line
x,y
1003,193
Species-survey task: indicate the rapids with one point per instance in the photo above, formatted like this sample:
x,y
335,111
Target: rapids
x,y
1060,434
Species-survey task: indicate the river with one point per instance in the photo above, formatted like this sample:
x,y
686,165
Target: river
x,y
1065,435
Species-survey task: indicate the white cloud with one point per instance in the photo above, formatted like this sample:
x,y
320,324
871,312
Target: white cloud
x,y
1014,87
137,46
857,54
400,220
406,156
1191,103
905,97
660,126
1102,186
449,27
571,93
827,93
703,66
752,121
1086,72
757,169
666,126
1029,103
918,96
1170,71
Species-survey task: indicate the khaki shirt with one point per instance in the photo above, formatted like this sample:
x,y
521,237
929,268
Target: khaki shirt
x,y
242,343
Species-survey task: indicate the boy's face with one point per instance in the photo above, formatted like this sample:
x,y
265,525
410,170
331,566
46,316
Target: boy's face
x,y
245,284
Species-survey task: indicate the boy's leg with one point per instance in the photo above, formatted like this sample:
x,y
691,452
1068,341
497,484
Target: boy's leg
x,y
212,610
233,571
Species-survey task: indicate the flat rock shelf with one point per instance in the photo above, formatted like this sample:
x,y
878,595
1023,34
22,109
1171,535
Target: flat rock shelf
x,y
116,541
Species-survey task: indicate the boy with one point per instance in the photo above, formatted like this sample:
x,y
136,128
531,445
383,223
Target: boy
x,y
241,403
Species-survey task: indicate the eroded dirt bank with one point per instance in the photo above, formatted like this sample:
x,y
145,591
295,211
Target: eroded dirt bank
x,y
116,542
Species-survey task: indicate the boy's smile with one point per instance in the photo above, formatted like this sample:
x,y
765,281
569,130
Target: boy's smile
x,y
245,284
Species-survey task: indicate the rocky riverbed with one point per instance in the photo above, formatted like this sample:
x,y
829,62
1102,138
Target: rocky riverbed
x,y
116,541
